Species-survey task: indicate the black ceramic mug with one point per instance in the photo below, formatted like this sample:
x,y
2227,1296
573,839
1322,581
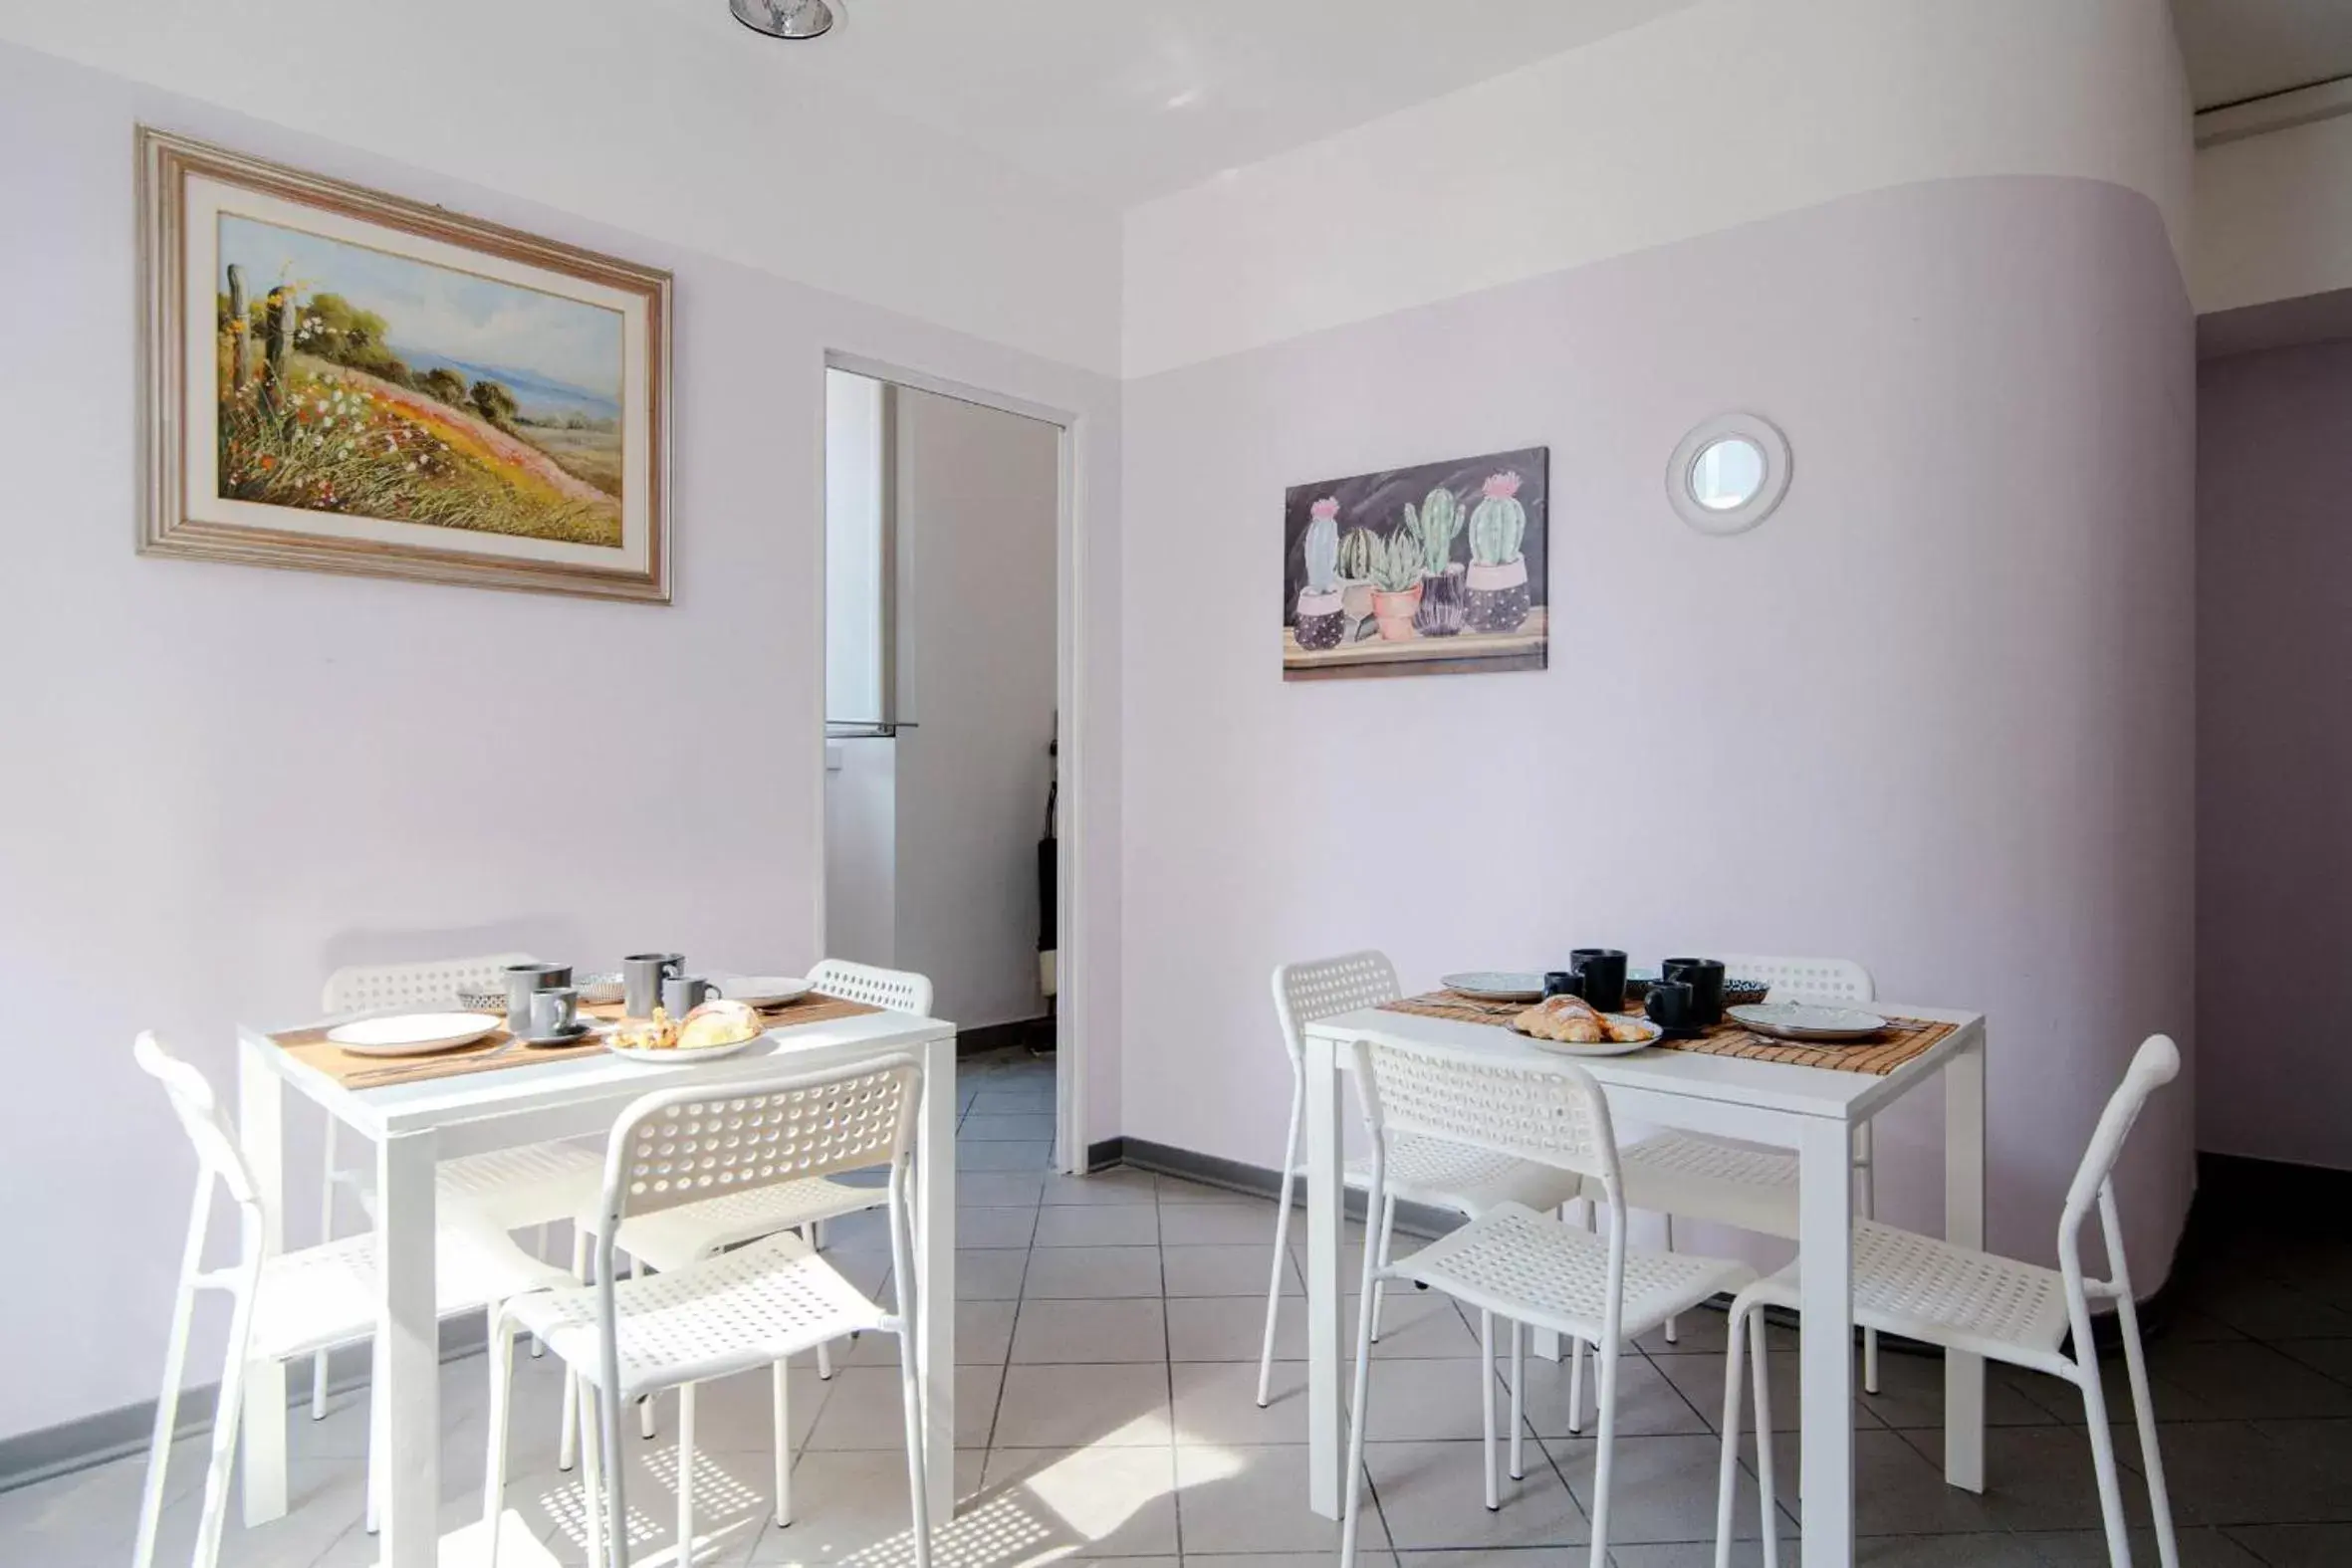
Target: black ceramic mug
x,y
1669,1005
1704,977
1600,972
1562,982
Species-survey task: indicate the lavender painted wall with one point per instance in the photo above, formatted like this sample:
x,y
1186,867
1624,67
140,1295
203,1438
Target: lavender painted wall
x,y
1934,714
220,781
2273,753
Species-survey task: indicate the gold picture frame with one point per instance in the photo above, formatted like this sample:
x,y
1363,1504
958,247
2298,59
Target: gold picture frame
x,y
417,395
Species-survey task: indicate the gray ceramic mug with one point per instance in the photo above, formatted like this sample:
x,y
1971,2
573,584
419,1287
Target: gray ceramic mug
x,y
552,1013
682,994
641,974
522,981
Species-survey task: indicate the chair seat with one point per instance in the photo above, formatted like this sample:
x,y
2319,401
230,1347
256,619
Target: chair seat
x,y
1954,1296
1443,1174
320,1296
1534,1268
742,1309
1700,1178
670,1239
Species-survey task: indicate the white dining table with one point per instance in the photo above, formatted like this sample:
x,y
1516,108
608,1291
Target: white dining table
x,y
1813,1110
414,1125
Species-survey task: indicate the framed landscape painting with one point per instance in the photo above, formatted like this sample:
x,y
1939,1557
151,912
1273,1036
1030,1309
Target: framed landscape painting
x,y
1435,570
343,380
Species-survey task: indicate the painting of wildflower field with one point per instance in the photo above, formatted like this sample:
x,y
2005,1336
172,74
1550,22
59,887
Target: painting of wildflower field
x,y
1439,569
366,384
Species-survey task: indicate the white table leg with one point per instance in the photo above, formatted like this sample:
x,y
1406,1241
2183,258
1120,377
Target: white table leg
x,y
260,1131
409,1350
1964,1225
1825,1243
935,1292
1326,1217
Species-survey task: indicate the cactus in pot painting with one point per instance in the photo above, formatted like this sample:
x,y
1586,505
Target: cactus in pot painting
x,y
1438,568
1319,619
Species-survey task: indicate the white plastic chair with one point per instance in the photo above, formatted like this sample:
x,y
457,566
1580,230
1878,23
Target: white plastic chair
x,y
670,1239
1991,1306
1467,1181
1510,1261
507,1188
751,1307
283,1306
1696,1177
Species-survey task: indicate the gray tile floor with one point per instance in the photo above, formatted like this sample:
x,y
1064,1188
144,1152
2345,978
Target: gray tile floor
x,y
1107,1330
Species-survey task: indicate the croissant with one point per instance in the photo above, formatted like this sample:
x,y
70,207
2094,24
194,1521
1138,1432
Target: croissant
x,y
1569,1019
718,1022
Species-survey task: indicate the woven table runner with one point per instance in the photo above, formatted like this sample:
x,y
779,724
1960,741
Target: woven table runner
x,y
1882,1053
498,1049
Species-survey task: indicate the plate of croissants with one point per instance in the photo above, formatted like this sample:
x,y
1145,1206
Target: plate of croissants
x,y
716,1028
1570,1025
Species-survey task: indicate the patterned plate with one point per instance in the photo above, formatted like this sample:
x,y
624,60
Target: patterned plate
x,y
1496,984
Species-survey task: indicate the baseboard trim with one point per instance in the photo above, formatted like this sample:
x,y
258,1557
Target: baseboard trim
x,y
1261,1180
1106,1154
50,1451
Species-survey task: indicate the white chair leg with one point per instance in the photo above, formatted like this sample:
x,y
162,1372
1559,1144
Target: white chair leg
x,y
784,1446
591,1473
379,1417
175,1360
1485,1405
1604,1453
567,1423
1575,1387
2094,1413
225,1419
685,1557
502,1395
1282,1250
546,1235
1759,1339
1673,1325
825,1363
646,1404
325,1233
1387,1228
1726,1475
1360,1408
1867,1204
910,1395
2160,1503
1518,1383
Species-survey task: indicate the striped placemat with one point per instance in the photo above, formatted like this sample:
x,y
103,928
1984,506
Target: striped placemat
x,y
1882,1053
497,1050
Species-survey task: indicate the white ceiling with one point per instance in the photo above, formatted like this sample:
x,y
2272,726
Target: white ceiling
x,y
2241,49
1125,100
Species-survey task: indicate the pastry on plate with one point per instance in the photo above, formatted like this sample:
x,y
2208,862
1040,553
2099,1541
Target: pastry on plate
x,y
718,1022
654,1034
1569,1019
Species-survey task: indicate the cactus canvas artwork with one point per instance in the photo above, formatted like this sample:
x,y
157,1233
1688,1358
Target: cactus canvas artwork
x,y
1433,570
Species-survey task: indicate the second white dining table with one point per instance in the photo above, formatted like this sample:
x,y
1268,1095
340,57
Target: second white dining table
x,y
414,1125
1813,1110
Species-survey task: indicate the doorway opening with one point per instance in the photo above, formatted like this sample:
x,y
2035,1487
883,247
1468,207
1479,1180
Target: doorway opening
x,y
948,746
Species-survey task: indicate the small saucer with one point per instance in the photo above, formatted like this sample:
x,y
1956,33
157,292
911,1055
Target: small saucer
x,y
571,1036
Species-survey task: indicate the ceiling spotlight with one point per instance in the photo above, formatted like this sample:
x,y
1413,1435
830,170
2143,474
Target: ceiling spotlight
x,y
784,18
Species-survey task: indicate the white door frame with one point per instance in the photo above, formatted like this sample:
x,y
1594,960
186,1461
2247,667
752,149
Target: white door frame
x,y
1070,1070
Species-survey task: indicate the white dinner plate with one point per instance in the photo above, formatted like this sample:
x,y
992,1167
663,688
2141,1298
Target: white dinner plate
x,y
676,1054
1496,986
1651,1034
1797,1020
413,1033
761,990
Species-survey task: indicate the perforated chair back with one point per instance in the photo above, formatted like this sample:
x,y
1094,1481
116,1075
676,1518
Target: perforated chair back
x,y
363,988
1327,987
199,1113
1805,978
682,1146
899,990
1551,1113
